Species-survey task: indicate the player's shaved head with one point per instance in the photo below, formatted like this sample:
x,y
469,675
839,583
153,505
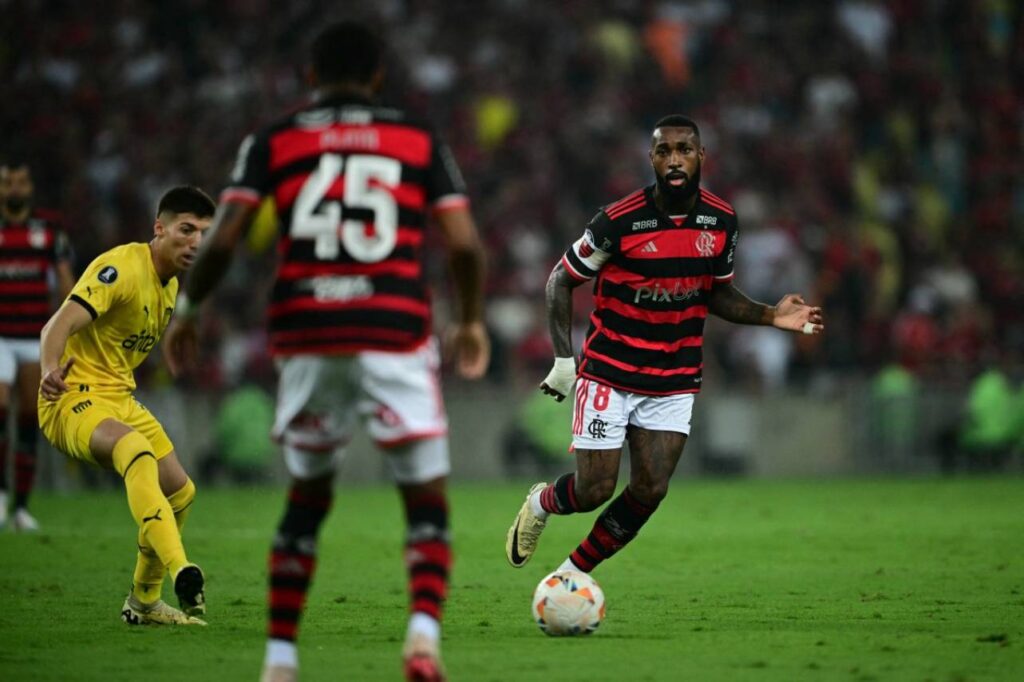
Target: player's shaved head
x,y
347,52
675,121
186,199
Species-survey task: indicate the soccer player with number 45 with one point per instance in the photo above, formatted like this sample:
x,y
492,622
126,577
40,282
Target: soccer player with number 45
x,y
354,183
663,259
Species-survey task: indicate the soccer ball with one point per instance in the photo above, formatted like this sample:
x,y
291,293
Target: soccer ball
x,y
568,603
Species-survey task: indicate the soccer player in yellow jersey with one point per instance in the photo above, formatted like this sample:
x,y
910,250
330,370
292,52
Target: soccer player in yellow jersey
x,y
109,323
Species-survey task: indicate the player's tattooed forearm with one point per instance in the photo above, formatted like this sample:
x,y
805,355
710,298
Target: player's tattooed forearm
x,y
558,295
731,304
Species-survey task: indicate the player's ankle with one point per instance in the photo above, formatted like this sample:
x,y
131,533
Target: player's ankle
x,y
282,653
535,506
424,625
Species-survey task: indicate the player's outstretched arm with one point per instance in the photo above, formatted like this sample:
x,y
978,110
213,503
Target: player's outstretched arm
x,y
791,313
180,341
68,319
558,300
468,340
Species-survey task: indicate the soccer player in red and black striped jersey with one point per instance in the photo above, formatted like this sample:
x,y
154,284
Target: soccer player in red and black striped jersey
x,y
662,260
354,184
34,255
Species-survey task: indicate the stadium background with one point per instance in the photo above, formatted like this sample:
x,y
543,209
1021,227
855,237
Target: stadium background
x,y
872,150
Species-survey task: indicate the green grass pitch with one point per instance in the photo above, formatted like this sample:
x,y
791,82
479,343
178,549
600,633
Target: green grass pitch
x,y
731,580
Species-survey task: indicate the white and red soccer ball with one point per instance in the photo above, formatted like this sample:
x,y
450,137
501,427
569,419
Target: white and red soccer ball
x,y
568,603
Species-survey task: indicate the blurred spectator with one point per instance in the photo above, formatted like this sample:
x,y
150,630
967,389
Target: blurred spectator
x,y
242,449
987,434
894,413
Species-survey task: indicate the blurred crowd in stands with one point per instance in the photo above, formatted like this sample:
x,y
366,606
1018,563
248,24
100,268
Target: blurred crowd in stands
x,y
873,150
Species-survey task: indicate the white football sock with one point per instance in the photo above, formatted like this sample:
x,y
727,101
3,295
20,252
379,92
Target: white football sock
x,y
282,653
422,624
540,512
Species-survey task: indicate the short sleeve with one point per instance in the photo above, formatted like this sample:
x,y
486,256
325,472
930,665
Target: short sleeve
x,y
250,177
102,286
588,254
725,262
445,186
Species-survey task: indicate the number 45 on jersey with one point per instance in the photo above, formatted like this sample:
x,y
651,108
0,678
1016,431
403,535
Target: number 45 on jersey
x,y
368,183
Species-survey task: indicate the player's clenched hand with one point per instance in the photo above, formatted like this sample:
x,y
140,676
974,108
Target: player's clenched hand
x,y
52,384
793,314
181,345
559,380
471,348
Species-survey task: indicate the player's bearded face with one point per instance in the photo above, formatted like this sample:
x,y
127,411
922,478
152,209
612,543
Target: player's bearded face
x,y
15,203
16,186
676,156
678,184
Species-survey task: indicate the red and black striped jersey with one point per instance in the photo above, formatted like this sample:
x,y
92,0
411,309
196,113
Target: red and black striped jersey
x,y
353,184
29,251
654,275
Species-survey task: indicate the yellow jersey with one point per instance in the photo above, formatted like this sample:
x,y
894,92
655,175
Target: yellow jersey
x,y
130,308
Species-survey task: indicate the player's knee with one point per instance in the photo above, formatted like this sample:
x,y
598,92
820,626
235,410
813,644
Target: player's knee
x,y
182,498
649,493
592,494
317,488
128,449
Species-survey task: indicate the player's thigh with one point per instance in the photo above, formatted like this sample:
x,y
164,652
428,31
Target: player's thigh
x,y
653,456
104,437
597,473
138,417
315,416
658,429
71,422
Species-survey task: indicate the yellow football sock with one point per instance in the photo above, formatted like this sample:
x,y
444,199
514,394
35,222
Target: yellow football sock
x,y
149,575
134,460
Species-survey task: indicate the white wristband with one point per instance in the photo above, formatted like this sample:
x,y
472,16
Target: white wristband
x,y
562,375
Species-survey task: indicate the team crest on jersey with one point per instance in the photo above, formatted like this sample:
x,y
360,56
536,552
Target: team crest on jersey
x,y
107,275
705,244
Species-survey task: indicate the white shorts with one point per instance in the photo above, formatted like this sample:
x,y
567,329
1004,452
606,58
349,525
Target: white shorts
x,y
14,352
601,414
397,395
